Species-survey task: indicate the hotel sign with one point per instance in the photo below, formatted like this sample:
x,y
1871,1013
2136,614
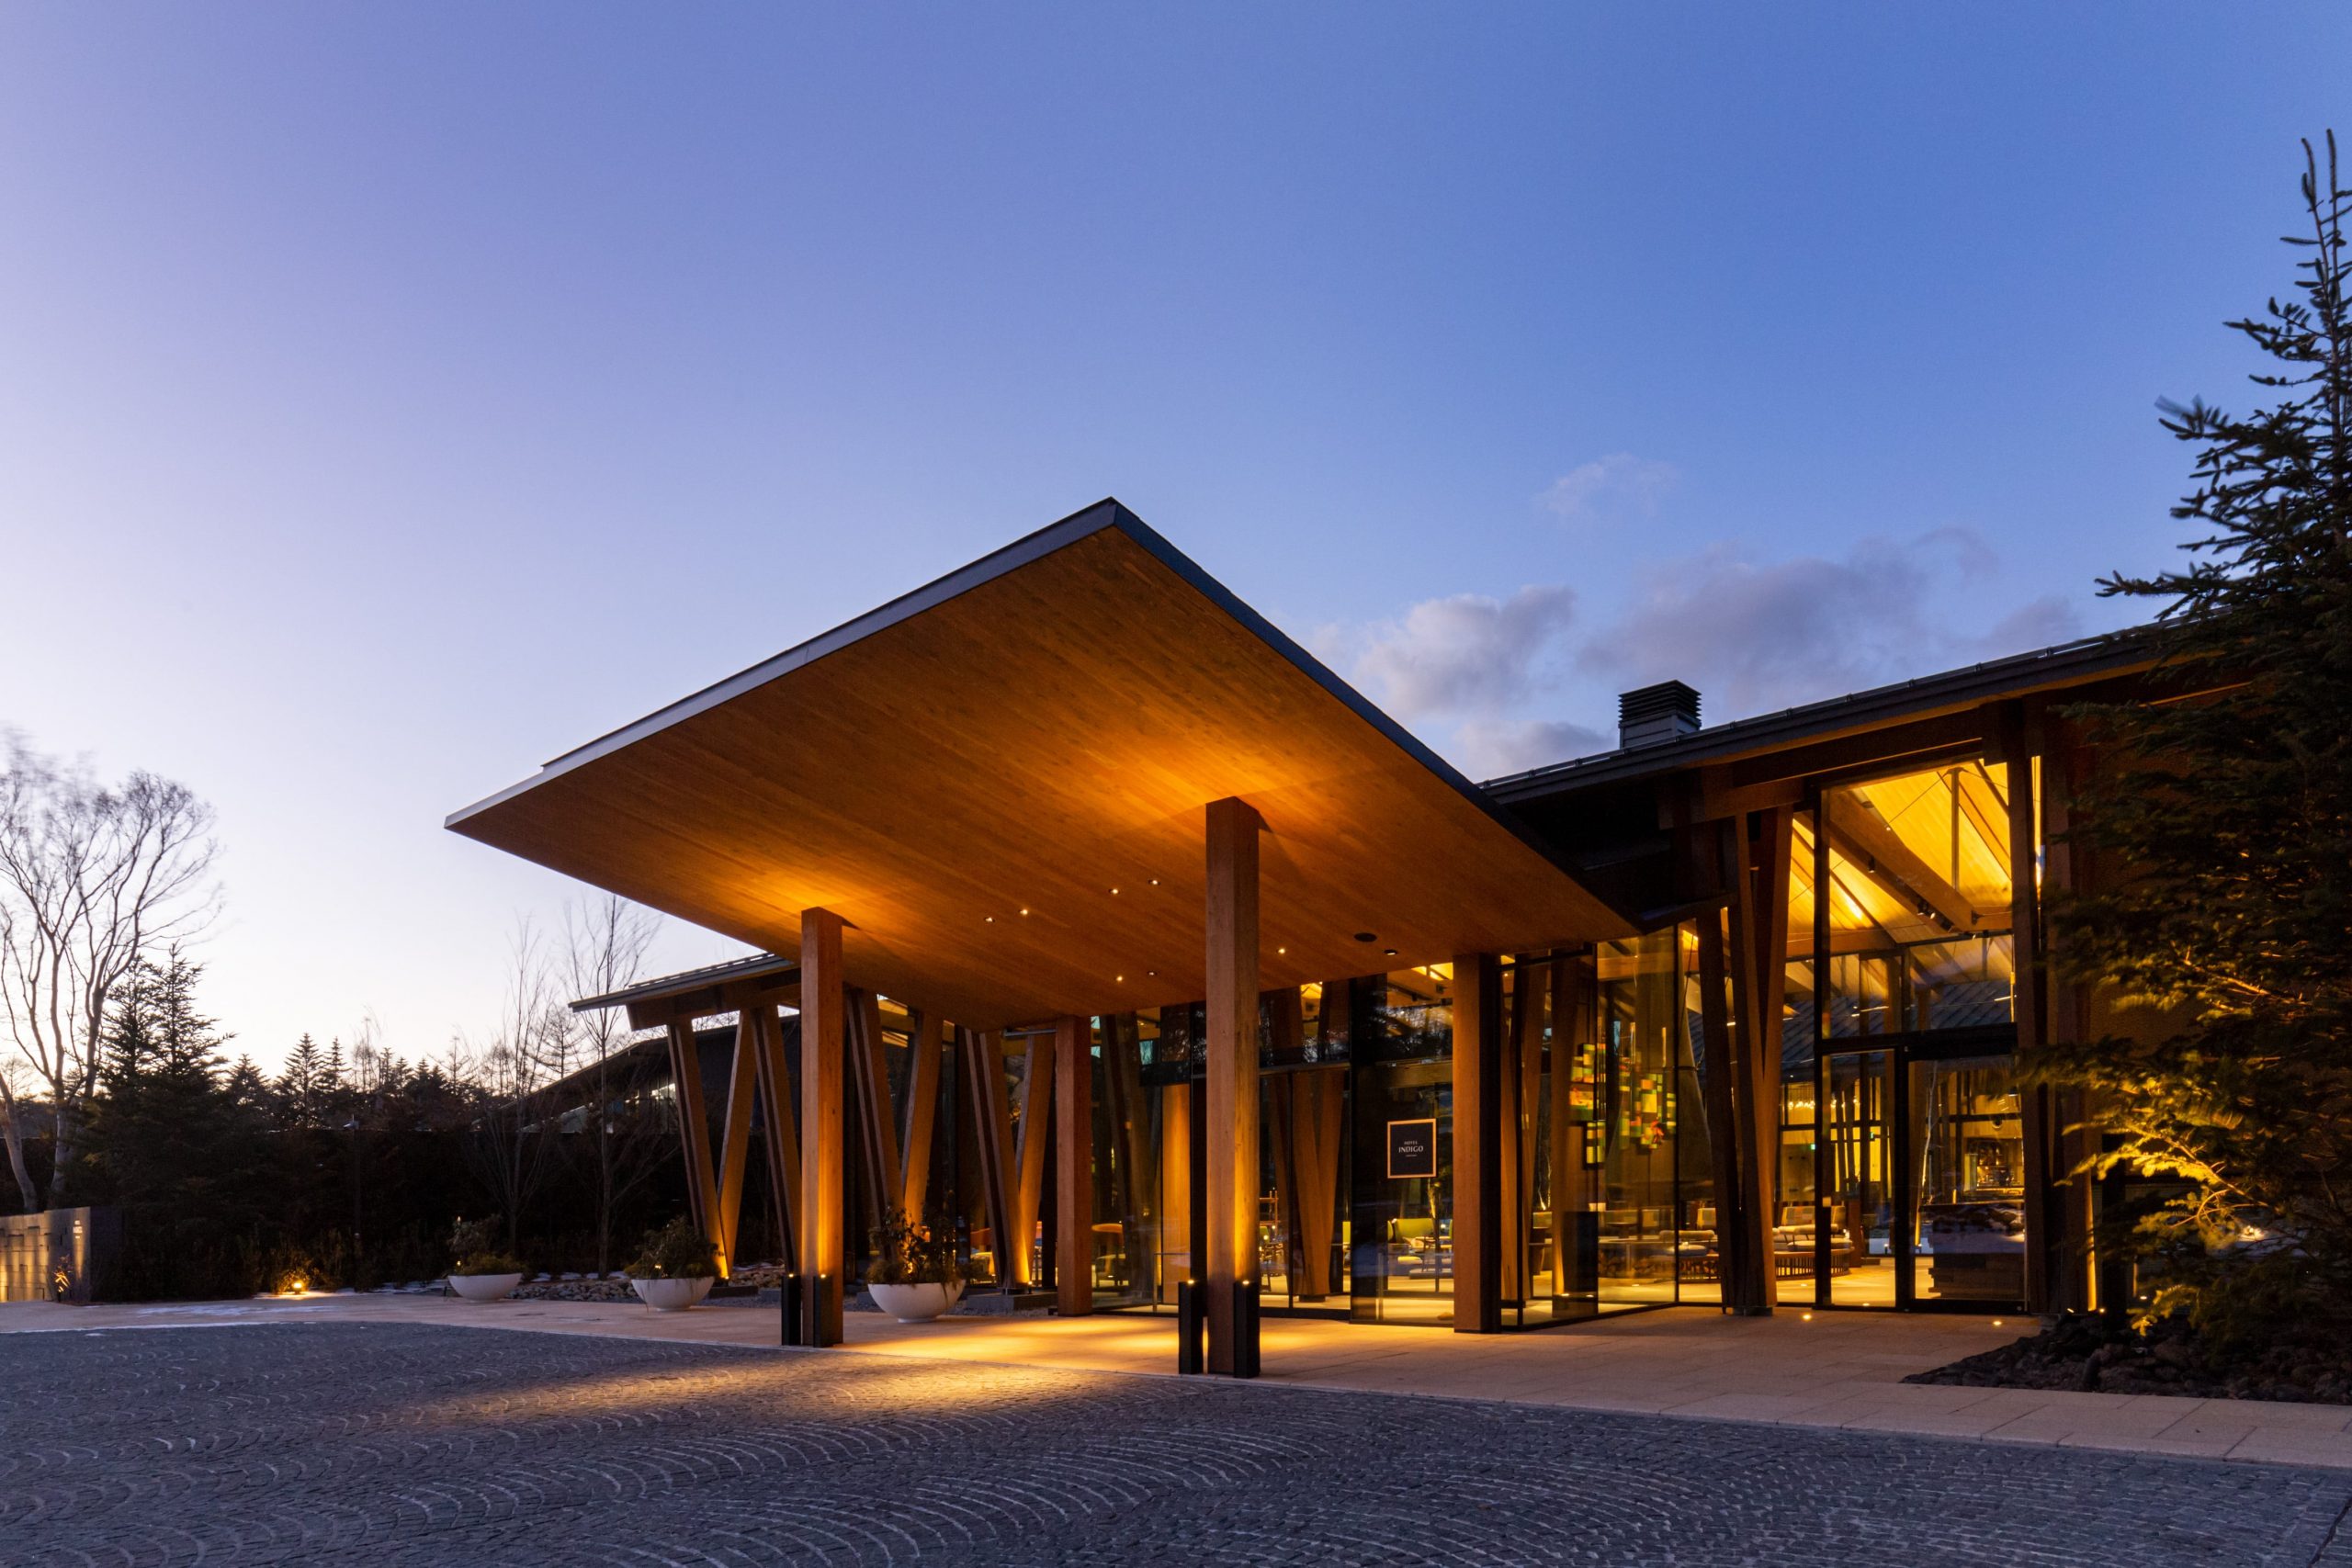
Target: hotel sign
x,y
1412,1149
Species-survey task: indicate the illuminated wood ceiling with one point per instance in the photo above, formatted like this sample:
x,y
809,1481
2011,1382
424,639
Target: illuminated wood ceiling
x,y
1040,732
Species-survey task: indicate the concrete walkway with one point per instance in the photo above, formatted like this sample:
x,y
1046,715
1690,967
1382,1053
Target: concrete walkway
x,y
1841,1370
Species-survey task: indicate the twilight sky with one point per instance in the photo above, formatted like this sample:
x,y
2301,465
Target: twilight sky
x,y
392,398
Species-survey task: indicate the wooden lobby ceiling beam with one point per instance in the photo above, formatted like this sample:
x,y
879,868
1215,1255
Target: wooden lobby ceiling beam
x,y
1889,746
1231,1049
1878,852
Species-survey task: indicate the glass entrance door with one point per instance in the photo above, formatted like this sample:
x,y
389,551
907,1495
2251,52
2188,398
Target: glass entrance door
x,y
1969,1141
1921,1178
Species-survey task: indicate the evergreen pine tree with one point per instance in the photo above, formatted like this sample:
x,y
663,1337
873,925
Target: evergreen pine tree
x,y
130,1045
299,1083
2224,824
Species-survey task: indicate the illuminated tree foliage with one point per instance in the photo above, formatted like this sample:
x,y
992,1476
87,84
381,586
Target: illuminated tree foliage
x,y
2222,829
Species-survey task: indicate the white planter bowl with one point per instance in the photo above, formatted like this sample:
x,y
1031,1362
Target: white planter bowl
x,y
670,1295
915,1303
484,1287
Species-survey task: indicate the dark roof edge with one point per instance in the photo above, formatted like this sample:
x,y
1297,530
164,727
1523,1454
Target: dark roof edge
x,y
688,980
1087,519
2065,662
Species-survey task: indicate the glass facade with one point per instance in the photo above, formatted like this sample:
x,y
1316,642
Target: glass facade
x,y
1897,1076
1900,1140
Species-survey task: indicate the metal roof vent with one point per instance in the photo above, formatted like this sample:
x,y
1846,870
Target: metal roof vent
x,y
1664,712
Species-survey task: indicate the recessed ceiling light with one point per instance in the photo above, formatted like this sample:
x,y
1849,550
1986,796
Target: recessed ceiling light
x,y
1115,893
1366,936
1282,950
1155,882
1025,911
1123,979
1389,952
1154,973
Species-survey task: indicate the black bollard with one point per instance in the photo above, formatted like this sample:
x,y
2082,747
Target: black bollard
x,y
1245,1328
789,1288
1190,1329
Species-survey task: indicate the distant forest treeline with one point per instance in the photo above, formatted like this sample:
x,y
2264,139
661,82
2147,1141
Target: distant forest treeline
x,y
348,1170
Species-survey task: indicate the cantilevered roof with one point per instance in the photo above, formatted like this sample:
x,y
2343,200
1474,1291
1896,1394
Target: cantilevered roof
x,y
998,781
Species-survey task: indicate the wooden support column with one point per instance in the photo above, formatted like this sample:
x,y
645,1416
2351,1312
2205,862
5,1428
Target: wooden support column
x,y
779,1119
1130,1137
2015,747
1523,1088
1760,988
1029,1184
1231,1047
1734,1268
1477,1143
992,1137
2065,1009
922,1112
1074,1166
869,1073
735,1148
1566,1151
694,1129
819,1222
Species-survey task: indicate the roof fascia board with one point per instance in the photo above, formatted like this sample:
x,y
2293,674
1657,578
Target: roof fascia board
x,y
1021,552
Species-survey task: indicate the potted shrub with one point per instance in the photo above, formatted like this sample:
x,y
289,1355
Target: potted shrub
x,y
481,1273
676,1268
913,1276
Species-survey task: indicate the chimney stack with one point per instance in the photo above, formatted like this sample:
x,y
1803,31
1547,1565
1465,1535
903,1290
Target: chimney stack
x,y
1663,712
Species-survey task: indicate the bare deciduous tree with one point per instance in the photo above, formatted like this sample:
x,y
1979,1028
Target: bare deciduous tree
x,y
92,878
512,1135
605,942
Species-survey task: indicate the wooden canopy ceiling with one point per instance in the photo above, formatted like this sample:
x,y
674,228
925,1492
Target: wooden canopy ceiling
x,y
999,782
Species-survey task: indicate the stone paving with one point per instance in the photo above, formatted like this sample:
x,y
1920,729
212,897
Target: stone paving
x,y
399,1443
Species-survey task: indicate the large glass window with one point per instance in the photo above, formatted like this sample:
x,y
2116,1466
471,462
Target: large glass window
x,y
1918,872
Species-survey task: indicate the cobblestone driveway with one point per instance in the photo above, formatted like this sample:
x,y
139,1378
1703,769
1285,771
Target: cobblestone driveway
x,y
384,1443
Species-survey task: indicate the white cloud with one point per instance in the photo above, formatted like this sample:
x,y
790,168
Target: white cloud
x,y
1609,489
1463,655
1756,636
1489,748
1752,635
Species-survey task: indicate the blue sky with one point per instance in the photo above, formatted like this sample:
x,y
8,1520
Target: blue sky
x,y
396,396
